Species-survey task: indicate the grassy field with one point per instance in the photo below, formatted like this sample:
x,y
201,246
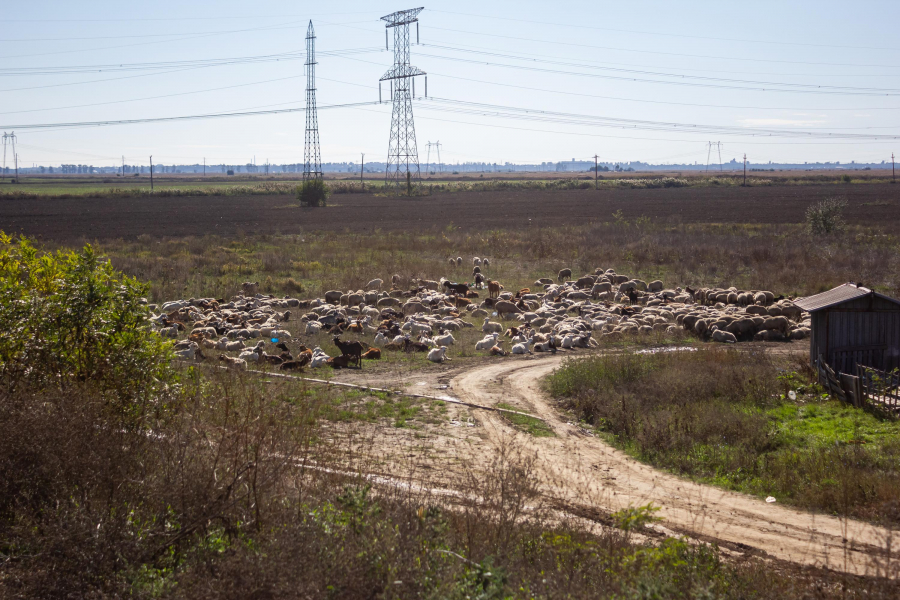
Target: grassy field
x,y
728,418
97,186
783,259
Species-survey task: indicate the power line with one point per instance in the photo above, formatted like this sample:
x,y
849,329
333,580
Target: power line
x,y
699,37
753,85
199,62
729,70
181,118
695,104
468,107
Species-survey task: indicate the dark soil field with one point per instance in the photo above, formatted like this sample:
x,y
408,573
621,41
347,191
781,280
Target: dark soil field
x,y
111,218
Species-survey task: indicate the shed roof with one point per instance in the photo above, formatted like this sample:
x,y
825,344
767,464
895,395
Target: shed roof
x,y
839,295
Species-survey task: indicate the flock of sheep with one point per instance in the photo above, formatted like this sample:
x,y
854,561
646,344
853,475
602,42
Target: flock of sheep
x,y
422,317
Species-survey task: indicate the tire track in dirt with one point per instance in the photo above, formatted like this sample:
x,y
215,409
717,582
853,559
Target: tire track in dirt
x,y
581,469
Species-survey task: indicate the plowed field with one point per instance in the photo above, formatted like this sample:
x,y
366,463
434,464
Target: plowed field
x,y
105,218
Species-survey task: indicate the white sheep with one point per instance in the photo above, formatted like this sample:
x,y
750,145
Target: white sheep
x,y
313,327
459,261
188,353
375,284
476,261
487,342
319,358
490,327
485,262
169,332
224,344
438,355
379,340
523,348
444,340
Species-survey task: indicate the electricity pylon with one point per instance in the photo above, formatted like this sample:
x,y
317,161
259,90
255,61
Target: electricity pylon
x,y
312,157
403,155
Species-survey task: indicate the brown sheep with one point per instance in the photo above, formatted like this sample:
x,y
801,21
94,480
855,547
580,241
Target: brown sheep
x,y
494,288
372,354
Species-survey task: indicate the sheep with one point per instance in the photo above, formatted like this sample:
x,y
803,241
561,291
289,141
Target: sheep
x,y
313,327
564,274
379,340
169,332
251,356
485,262
523,348
438,355
452,262
372,354
250,289
487,342
476,261
234,363
489,327
444,340
189,353
395,280
724,337
476,271
498,351
459,261
224,344
375,284
494,288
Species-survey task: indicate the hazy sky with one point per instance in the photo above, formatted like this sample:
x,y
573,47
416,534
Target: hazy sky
x,y
799,67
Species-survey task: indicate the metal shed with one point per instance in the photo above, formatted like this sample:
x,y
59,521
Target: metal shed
x,y
852,325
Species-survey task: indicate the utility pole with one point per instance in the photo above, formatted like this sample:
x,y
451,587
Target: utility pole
x,y
362,165
17,167
440,164
745,168
204,166
596,172
123,166
403,154
893,169
151,173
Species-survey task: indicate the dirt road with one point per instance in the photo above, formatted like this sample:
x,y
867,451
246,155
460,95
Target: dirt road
x,y
583,470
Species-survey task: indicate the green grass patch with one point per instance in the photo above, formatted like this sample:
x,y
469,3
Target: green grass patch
x,y
725,417
530,425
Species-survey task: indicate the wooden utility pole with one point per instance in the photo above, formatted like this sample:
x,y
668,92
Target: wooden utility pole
x,y
204,166
123,166
362,164
745,168
893,169
16,156
596,173
151,173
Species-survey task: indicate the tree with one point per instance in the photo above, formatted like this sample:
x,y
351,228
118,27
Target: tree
x,y
313,192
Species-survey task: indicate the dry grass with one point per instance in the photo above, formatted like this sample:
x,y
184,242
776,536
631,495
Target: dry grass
x,y
781,258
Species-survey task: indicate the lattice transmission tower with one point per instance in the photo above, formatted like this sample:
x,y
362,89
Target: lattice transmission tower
x,y
312,156
403,156
718,147
9,139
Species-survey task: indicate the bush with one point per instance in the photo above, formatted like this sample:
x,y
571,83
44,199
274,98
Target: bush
x,y
826,216
71,318
313,192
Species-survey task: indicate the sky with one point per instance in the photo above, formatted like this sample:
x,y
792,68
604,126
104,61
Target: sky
x,y
522,82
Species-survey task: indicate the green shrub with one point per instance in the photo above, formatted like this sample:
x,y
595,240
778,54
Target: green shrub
x,y
71,318
826,216
313,192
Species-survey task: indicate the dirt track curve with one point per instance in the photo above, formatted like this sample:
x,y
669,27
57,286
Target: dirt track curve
x,y
583,470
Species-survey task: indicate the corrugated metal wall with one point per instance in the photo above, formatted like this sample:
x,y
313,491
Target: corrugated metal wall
x,y
864,331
